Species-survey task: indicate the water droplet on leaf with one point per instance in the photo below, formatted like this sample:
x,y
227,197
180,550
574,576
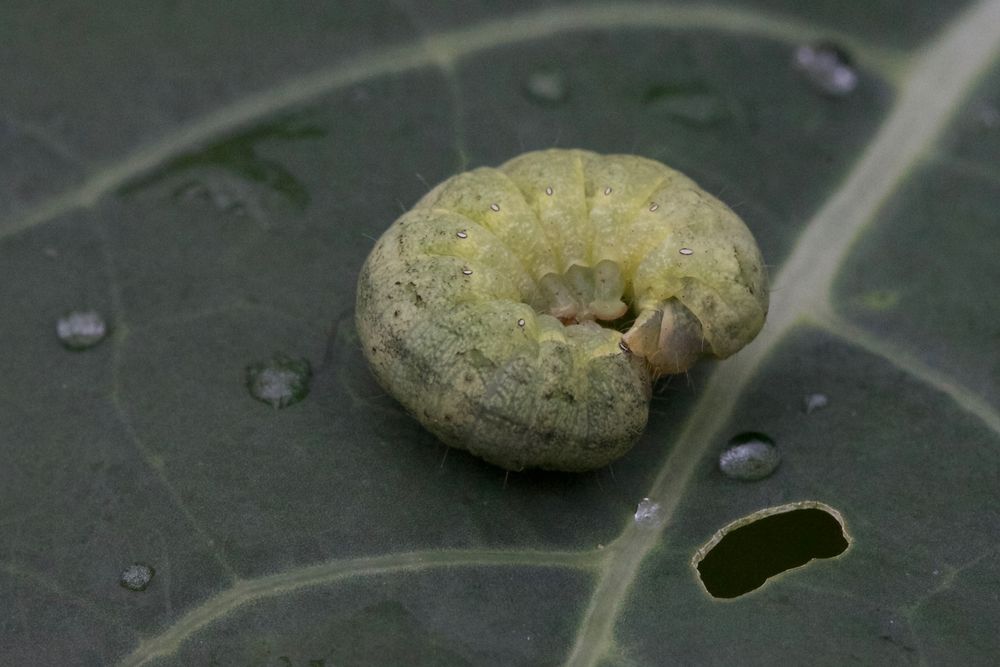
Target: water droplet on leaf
x,y
749,456
813,402
827,67
227,194
279,381
81,329
647,513
136,577
547,87
235,177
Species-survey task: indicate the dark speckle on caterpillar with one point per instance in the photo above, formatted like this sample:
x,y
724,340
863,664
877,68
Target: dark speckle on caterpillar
x,y
491,309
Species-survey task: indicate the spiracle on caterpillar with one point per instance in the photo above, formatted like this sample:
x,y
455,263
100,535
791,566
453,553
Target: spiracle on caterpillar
x,y
491,310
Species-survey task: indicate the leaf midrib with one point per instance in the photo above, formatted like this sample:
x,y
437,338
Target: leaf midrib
x,y
247,590
444,50
940,76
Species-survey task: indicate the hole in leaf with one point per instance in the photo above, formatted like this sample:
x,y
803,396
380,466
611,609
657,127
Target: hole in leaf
x,y
746,553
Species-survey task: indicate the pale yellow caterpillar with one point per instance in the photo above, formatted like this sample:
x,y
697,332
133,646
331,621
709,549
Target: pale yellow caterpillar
x,y
491,310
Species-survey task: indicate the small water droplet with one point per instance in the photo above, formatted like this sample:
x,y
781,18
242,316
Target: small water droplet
x,y
81,329
462,234
647,513
279,381
224,194
549,191
607,191
686,251
466,272
813,402
653,206
521,323
228,194
623,346
224,201
828,68
136,577
547,87
495,207
749,456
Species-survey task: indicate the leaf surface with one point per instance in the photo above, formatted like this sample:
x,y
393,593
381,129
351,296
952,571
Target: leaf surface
x,y
210,181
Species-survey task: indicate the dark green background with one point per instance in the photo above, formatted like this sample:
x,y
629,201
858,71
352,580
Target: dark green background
x,y
210,177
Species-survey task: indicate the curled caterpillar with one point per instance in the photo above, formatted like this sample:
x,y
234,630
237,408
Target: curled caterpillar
x,y
522,313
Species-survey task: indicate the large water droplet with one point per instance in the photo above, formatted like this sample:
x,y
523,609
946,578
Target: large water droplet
x,y
136,577
813,402
827,67
647,513
749,456
279,381
81,329
547,87
236,176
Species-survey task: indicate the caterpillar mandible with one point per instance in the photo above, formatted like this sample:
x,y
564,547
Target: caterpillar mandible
x,y
523,312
